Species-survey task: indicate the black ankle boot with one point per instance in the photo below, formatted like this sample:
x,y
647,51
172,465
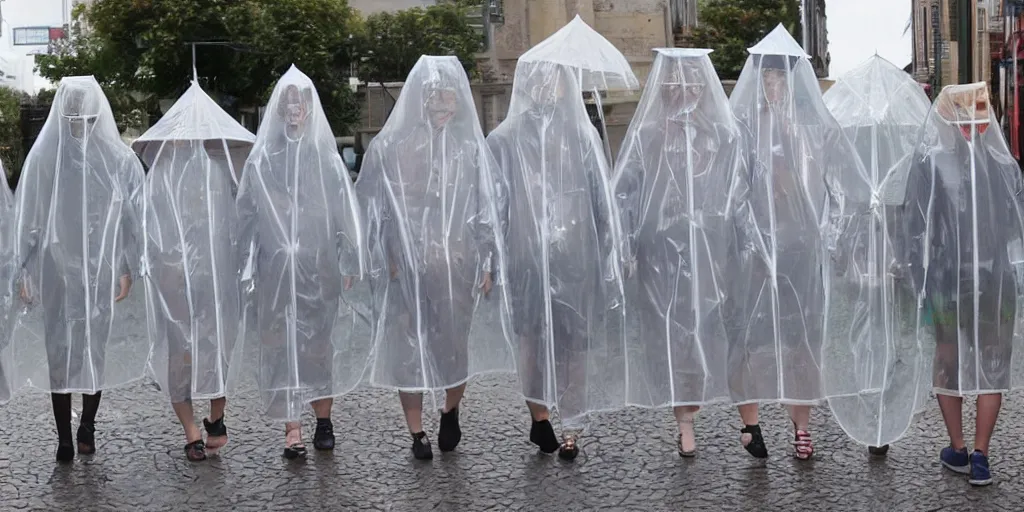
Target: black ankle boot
x,y
449,434
323,438
756,446
543,435
86,439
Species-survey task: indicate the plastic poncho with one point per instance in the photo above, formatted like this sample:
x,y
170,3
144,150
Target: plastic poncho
x,y
777,303
963,234
428,187
8,292
191,262
872,361
78,243
302,244
676,186
564,247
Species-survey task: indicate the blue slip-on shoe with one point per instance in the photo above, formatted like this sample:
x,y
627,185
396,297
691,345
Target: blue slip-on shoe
x,y
980,475
957,461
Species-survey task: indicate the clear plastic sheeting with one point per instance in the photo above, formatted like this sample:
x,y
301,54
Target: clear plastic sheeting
x,y
564,246
963,233
428,189
302,246
872,361
676,185
77,240
777,301
8,272
190,254
599,65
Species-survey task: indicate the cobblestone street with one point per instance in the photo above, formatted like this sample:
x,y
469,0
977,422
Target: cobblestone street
x,y
629,462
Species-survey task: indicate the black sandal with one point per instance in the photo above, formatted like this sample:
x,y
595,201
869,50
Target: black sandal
x,y
86,439
568,449
196,451
756,446
543,435
295,451
421,447
216,429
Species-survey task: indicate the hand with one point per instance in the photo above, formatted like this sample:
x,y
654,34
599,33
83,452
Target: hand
x,y
26,295
348,282
487,284
125,286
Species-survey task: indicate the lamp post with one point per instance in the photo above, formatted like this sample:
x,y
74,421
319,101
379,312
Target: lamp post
x,y
965,46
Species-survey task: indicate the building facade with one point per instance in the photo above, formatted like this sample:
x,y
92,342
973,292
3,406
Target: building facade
x,y
815,35
954,41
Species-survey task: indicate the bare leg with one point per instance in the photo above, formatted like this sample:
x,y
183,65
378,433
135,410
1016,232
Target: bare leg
x,y
453,397
188,421
988,413
412,406
217,406
801,416
684,419
538,412
952,415
322,408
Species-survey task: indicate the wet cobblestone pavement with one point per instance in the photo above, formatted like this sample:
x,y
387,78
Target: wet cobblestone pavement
x,y
628,462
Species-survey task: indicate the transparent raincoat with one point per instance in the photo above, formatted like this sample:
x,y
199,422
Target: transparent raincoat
x,y
963,245
301,241
872,361
8,272
191,262
78,243
428,189
678,183
777,303
564,246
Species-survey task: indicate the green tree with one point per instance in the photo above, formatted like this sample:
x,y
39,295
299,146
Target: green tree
x,y
10,131
145,46
392,42
731,26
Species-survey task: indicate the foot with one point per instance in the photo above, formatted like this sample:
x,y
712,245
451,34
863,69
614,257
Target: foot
x,y
195,451
293,445
753,441
687,444
878,450
216,434
569,449
449,434
86,439
804,446
543,435
421,446
323,439
980,475
65,451
957,461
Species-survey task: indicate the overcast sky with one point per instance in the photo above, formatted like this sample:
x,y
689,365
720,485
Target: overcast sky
x,y
859,28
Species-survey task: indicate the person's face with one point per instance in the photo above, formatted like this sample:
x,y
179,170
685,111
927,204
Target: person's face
x,y
683,88
966,109
73,111
294,108
546,91
441,106
776,87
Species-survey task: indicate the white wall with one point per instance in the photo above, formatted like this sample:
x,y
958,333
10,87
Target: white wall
x,y
27,13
